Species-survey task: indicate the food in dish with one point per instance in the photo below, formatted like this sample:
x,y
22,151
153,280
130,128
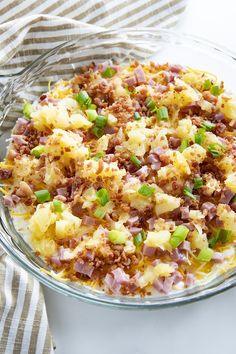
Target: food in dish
x,y
124,177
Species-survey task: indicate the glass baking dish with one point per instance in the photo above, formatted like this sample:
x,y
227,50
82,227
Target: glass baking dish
x,y
62,62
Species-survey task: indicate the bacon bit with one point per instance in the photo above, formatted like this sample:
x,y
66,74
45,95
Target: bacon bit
x,y
5,173
77,209
176,68
174,143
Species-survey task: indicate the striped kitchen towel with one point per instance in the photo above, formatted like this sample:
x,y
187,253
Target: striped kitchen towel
x,y
28,28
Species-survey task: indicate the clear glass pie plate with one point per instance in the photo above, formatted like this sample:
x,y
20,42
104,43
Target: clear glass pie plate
x,y
62,62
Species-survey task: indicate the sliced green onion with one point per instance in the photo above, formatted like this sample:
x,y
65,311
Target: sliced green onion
x,y
42,196
102,196
215,90
138,239
98,132
179,235
207,125
91,114
184,144
135,161
200,136
198,182
101,121
98,155
188,192
83,98
205,255
220,235
233,200
225,235
146,190
27,109
117,237
214,239
216,150
37,150
162,113
207,85
100,213
57,206
109,72
92,106
151,105
137,116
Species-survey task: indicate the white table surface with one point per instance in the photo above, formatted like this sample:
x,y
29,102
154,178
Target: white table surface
x,y
204,327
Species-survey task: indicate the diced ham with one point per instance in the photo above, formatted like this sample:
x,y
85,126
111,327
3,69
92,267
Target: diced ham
x,y
131,81
133,220
185,246
20,126
163,285
218,257
65,254
176,68
218,117
5,173
61,198
151,82
90,255
87,220
149,251
63,191
7,201
151,223
226,196
120,276
84,268
209,209
184,212
139,74
55,260
154,161
135,230
158,284
177,277
178,256
19,140
156,166
43,140
167,285
142,173
190,279
152,158
161,88
111,284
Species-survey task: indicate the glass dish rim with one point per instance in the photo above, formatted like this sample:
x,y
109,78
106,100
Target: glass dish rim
x,y
104,299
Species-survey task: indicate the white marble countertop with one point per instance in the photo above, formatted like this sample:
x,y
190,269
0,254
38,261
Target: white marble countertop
x,y
204,327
